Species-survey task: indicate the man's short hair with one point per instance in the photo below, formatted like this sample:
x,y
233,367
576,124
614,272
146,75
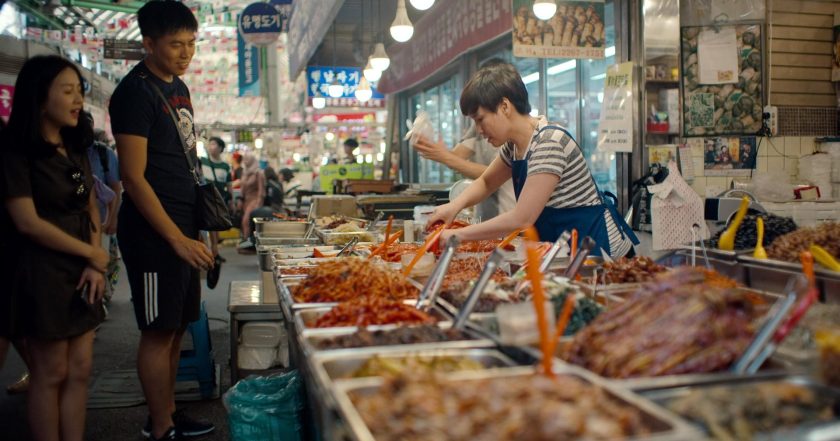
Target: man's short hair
x,y
158,18
351,142
218,141
490,85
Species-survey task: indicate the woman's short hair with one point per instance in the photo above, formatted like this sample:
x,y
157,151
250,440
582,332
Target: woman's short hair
x,y
32,90
490,85
219,142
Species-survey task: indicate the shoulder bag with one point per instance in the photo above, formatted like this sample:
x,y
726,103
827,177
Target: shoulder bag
x,y
210,209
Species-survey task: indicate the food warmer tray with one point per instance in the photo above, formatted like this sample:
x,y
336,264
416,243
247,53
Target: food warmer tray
x,y
303,318
812,431
268,255
673,427
269,241
284,291
724,262
773,275
280,228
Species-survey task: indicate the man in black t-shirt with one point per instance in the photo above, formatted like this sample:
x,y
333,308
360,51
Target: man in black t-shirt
x,y
157,228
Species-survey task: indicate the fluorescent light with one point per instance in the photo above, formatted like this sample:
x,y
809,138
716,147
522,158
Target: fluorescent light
x,y
380,157
562,67
599,77
258,143
609,51
530,78
369,158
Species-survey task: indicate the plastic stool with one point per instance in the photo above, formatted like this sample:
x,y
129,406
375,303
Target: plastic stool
x,y
197,364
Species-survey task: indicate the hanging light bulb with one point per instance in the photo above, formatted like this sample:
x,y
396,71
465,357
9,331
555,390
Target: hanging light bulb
x,y
379,59
371,74
544,9
401,28
363,91
422,5
335,89
318,101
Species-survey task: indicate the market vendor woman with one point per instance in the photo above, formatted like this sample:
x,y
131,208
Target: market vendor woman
x,y
554,189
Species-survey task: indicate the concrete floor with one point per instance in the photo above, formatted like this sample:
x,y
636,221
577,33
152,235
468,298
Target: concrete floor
x,y
114,349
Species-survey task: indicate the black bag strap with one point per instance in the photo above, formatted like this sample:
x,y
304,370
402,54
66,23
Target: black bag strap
x,y
171,111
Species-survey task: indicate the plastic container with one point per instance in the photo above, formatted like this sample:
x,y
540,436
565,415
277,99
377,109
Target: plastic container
x,y
262,334
256,358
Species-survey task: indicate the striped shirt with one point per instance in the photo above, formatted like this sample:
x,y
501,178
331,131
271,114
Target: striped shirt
x,y
553,151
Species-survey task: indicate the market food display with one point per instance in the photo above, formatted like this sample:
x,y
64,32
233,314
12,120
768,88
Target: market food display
x,y
297,271
401,336
331,222
747,235
741,412
818,316
533,408
465,270
634,270
378,366
481,246
349,278
367,311
788,246
683,322
393,253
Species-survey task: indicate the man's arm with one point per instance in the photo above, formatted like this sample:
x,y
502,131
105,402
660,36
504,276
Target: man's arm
x,y
457,159
132,152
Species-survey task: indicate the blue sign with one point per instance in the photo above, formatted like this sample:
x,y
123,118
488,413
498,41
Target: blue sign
x,y
249,68
285,9
318,78
260,24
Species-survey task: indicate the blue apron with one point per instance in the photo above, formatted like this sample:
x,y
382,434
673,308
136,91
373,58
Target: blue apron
x,y
588,220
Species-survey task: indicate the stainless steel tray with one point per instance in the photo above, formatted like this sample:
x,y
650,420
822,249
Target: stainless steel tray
x,y
269,241
802,432
773,275
670,427
284,292
280,228
309,341
301,251
305,317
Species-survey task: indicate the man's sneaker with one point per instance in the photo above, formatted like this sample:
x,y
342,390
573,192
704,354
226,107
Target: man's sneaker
x,y
170,435
186,426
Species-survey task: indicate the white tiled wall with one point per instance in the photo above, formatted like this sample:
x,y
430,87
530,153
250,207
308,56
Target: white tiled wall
x,y
781,153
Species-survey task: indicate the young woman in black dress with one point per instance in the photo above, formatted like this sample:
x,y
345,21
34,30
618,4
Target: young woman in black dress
x,y
57,283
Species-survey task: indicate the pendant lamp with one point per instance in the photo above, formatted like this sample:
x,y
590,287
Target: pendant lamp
x,y
371,74
422,5
363,90
401,28
544,9
379,59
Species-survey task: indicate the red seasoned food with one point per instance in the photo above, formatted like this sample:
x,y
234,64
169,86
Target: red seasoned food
x,y
372,311
453,226
678,324
462,271
623,270
395,251
407,335
349,278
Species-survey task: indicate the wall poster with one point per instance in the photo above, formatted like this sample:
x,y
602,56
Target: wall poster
x,y
575,31
733,156
615,128
732,106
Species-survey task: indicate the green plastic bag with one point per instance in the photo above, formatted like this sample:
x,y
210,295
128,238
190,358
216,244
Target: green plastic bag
x,y
265,408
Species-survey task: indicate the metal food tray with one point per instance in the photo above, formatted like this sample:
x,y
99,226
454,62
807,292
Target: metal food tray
x,y
270,241
309,340
724,262
300,252
773,275
280,228
341,238
671,426
286,297
303,317
808,431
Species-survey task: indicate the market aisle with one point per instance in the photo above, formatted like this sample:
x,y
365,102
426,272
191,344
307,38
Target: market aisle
x,y
115,350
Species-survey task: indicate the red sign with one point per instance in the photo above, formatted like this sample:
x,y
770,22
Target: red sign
x,y
6,94
443,34
367,116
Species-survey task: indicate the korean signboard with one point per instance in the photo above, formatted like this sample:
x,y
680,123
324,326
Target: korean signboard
x,y
307,27
260,24
249,68
575,31
318,79
615,130
331,172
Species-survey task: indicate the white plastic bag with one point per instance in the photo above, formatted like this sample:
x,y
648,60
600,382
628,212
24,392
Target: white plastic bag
x,y
816,169
422,126
771,187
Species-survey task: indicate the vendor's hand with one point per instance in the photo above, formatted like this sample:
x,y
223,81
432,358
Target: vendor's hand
x,y
435,151
445,235
193,252
99,259
96,284
442,214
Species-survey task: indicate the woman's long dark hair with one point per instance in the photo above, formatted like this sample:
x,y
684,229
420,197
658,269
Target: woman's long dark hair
x,y
31,91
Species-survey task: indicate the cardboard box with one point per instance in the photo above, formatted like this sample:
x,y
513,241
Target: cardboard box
x,y
332,205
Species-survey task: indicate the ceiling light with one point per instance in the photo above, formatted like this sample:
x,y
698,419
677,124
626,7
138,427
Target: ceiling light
x,y
363,91
335,89
379,59
422,5
401,28
258,143
329,136
371,74
544,9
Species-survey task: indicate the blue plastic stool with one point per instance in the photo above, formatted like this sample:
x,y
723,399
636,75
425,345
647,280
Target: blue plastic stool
x,y
197,364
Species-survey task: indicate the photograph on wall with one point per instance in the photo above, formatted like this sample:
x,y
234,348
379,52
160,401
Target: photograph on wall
x,y
835,63
729,106
662,154
734,156
576,30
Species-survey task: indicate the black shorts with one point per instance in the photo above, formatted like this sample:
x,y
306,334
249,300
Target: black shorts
x,y
165,289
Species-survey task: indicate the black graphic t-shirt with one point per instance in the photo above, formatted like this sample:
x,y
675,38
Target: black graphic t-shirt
x,y
137,109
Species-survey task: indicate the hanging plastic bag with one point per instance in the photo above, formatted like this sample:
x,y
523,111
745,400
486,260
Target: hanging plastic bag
x,y
261,408
422,126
